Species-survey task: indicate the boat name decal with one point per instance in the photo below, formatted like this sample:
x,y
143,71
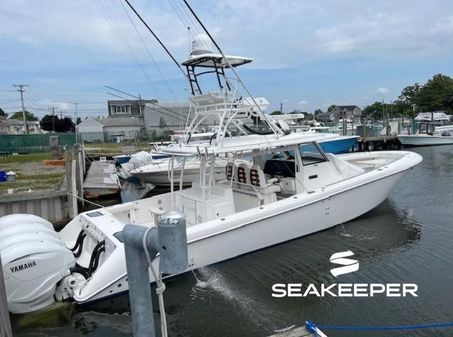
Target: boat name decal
x,y
23,266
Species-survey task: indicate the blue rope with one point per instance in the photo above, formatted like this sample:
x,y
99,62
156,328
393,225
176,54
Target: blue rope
x,y
312,327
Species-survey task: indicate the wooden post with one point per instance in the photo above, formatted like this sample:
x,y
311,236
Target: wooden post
x,y
75,210
71,182
5,323
80,170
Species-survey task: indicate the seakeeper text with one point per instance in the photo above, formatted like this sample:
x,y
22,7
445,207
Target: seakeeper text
x,y
345,290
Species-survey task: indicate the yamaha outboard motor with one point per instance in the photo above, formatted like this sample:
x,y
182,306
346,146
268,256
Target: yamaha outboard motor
x,y
34,260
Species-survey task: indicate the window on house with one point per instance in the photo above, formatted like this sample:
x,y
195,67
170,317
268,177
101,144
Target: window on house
x,y
120,109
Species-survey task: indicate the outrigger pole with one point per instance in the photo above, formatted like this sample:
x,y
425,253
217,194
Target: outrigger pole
x,y
157,38
272,125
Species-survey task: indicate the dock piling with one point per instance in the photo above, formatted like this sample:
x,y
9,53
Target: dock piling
x,y
169,239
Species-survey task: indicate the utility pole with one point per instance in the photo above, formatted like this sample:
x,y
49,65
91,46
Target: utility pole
x,y
281,107
21,90
53,119
76,118
140,105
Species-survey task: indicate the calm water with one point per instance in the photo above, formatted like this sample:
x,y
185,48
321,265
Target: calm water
x,y
408,238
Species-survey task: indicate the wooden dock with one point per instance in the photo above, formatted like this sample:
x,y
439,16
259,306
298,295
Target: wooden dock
x,y
298,332
378,143
101,180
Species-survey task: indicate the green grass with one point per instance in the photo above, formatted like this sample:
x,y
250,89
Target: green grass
x,y
24,158
35,182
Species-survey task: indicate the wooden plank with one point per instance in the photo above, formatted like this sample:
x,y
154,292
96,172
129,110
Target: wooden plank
x,y
5,323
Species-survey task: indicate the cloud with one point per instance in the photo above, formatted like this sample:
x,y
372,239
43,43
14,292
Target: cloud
x,y
382,91
303,102
308,46
256,28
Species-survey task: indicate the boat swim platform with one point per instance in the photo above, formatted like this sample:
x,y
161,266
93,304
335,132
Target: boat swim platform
x,y
298,332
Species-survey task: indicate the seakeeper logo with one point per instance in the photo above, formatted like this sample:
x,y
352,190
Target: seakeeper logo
x,y
348,265
341,258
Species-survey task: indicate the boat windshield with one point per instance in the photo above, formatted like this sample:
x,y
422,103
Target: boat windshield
x,y
311,155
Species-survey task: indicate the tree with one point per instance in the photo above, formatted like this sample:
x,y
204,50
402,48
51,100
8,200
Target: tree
x,y
318,112
65,125
78,120
28,116
55,124
331,108
3,113
49,123
436,94
276,112
409,94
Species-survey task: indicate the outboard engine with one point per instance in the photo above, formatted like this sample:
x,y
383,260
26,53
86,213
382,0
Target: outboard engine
x,y
34,260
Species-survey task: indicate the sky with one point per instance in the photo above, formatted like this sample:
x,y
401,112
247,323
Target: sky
x,y
308,54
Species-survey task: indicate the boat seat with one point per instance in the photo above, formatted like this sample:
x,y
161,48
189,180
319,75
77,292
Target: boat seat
x,y
267,187
251,179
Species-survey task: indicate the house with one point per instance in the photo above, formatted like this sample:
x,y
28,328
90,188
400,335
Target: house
x,y
165,117
91,130
17,127
110,129
349,112
118,129
127,108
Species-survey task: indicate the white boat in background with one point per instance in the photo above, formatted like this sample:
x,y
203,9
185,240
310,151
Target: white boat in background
x,y
277,186
337,145
159,172
434,129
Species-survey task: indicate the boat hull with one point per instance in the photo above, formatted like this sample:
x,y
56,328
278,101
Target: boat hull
x,y
340,145
268,225
425,140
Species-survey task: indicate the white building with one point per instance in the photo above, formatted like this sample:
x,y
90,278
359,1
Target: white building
x,y
17,127
117,129
91,130
110,129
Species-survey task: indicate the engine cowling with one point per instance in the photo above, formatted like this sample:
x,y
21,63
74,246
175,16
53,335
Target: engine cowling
x,y
34,260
